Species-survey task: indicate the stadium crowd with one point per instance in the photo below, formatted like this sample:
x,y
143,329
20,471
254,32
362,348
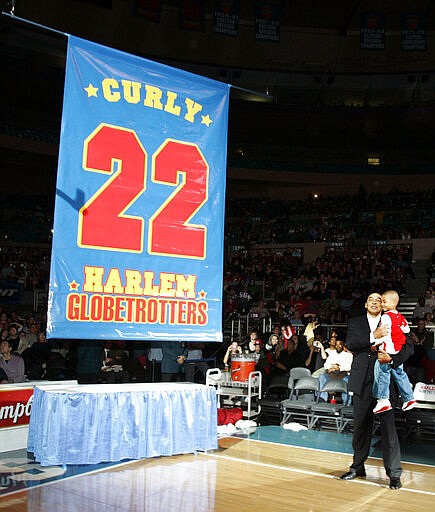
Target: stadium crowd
x,y
259,282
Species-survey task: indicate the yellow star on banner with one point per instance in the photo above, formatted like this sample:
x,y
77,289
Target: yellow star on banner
x,y
202,294
206,120
91,90
73,285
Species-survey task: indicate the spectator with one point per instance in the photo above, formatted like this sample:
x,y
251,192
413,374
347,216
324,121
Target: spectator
x,y
429,298
194,361
32,334
332,342
57,367
114,365
37,358
14,337
4,321
11,364
277,312
425,336
287,331
260,357
88,361
316,358
286,360
272,346
420,310
253,340
312,327
23,344
413,366
337,366
232,351
428,318
174,354
259,311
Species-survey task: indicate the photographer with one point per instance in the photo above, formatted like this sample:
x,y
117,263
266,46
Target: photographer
x,y
316,356
312,326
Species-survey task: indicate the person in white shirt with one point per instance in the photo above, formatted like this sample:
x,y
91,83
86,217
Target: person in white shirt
x,y
337,365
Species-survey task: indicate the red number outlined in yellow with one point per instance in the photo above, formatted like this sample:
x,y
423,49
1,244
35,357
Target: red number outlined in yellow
x,y
179,164
102,221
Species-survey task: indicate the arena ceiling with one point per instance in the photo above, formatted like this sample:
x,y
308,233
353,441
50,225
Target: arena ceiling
x,y
275,135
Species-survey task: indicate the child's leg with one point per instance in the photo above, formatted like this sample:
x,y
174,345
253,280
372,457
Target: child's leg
x,y
381,387
402,381
381,382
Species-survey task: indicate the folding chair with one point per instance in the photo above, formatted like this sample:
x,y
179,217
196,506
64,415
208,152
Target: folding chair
x,y
327,414
335,387
278,387
300,409
296,374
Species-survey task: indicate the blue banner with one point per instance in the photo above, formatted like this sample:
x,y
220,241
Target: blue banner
x,y
139,212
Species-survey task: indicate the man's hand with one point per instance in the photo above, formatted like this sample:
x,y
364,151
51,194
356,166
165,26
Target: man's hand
x,y
381,331
181,359
384,357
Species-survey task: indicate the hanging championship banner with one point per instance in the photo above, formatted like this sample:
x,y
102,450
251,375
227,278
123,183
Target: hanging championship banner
x,y
372,32
226,15
413,32
150,10
267,20
192,15
139,212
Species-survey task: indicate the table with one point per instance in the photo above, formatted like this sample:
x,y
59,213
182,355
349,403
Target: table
x,y
88,424
15,407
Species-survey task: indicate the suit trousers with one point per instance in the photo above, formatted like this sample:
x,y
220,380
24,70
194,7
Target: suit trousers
x,y
362,434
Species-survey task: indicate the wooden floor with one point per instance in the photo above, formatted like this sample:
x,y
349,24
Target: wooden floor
x,y
243,475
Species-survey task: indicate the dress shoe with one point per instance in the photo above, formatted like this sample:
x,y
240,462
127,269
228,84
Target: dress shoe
x,y
350,475
395,483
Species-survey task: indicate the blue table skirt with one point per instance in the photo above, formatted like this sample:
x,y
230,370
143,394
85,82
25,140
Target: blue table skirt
x,y
88,424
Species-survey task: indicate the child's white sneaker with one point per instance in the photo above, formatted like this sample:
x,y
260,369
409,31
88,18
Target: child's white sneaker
x,y
410,404
383,405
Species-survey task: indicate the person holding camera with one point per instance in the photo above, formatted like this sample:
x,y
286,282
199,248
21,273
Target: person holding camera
x,y
316,357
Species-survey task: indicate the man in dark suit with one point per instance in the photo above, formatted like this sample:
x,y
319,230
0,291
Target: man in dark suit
x,y
174,353
361,333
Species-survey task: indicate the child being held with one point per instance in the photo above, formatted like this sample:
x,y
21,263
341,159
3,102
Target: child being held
x,y
392,344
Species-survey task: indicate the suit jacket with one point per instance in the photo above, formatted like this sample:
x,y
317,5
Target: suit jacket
x,y
170,351
358,341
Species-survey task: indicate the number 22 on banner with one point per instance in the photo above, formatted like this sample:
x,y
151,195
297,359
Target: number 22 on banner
x,y
102,221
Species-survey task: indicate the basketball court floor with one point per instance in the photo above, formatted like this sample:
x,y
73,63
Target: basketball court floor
x,y
269,469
